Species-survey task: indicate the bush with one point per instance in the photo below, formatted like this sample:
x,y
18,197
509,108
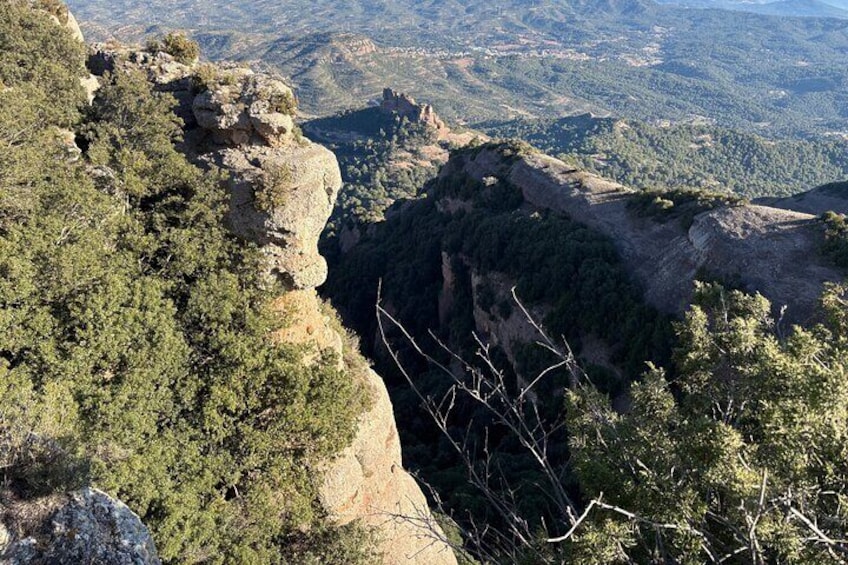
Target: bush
x,y
682,204
272,190
55,8
835,238
283,103
178,45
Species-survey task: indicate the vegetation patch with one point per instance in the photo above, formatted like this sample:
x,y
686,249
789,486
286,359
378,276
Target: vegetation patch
x,y
273,187
178,45
835,245
680,204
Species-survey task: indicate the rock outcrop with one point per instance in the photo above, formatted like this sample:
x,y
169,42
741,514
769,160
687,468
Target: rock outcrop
x,y
762,248
249,118
405,106
243,122
367,482
87,526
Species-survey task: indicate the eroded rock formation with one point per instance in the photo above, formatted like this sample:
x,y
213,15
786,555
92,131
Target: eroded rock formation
x,y
405,106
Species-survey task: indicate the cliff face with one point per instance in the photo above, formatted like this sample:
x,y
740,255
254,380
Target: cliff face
x,y
766,249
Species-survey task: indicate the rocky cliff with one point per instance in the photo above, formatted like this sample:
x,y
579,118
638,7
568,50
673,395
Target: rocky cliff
x,y
404,105
771,250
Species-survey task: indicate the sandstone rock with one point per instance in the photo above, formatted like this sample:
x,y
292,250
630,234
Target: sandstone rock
x,y
162,70
405,106
288,235
243,122
241,107
73,26
367,482
307,324
91,84
89,527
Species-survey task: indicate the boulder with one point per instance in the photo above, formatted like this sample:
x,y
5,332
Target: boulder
x,y
288,233
89,526
240,107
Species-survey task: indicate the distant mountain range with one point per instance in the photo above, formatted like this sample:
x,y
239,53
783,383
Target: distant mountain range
x,y
792,8
482,60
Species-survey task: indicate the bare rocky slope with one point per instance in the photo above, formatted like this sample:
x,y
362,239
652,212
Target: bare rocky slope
x,y
768,249
830,197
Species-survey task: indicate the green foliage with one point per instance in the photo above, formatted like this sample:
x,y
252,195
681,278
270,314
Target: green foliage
x,y
684,156
55,8
273,187
178,45
283,103
485,61
40,68
681,204
835,238
747,457
135,349
369,145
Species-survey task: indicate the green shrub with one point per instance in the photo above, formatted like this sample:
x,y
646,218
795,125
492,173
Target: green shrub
x,y
273,188
835,245
283,103
55,8
680,204
178,45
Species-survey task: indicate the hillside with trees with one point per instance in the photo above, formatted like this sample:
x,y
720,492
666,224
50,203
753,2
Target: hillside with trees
x,y
561,417
478,61
135,352
685,156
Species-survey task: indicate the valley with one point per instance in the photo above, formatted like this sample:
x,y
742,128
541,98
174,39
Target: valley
x,y
783,77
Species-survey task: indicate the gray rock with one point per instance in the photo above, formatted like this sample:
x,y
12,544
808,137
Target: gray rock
x,y
91,527
240,107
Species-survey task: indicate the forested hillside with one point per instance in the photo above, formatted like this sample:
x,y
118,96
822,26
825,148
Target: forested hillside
x,y
478,61
380,158
135,350
685,156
